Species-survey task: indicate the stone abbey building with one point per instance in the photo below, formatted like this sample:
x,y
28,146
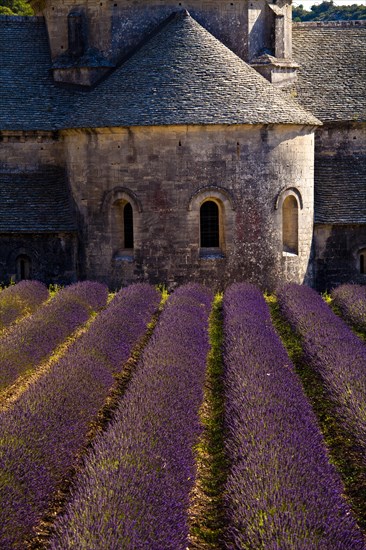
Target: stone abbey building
x,y
169,142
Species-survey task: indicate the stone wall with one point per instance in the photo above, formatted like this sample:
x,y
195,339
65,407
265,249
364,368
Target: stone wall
x,y
116,27
53,257
28,150
166,173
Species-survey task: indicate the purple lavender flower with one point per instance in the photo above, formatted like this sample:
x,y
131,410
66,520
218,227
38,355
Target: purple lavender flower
x,y
19,300
281,492
134,490
334,352
351,299
33,340
45,429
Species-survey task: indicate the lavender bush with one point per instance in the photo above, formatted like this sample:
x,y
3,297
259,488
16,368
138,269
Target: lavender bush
x,y
333,351
41,434
351,300
134,490
19,300
36,337
281,492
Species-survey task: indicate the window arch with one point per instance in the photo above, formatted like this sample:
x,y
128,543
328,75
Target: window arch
x,y
362,261
290,225
23,266
209,224
211,220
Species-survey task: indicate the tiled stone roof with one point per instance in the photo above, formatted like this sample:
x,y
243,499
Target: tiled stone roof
x,y
332,75
29,98
182,75
340,189
35,202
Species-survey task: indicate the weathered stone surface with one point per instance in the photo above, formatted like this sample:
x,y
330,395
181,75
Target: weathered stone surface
x,y
116,28
168,173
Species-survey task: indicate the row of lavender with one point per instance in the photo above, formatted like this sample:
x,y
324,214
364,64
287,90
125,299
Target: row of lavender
x,y
281,491
351,300
134,490
334,351
48,425
16,301
33,339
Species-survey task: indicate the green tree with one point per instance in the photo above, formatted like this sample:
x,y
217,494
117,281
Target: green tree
x,y
327,11
15,7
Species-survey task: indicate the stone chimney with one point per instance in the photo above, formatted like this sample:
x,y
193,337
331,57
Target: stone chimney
x,y
270,40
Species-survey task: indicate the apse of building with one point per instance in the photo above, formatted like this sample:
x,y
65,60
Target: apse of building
x,y
182,141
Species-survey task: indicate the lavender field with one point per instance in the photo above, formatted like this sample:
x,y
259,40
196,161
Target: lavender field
x,y
162,422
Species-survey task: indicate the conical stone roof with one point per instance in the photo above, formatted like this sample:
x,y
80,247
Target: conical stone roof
x,y
180,75
183,75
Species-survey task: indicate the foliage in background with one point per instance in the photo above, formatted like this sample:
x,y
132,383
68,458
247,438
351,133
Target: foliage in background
x,y
15,7
328,11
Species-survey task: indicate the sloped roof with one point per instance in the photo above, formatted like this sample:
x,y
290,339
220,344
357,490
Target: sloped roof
x,y
182,75
30,100
332,76
36,201
340,189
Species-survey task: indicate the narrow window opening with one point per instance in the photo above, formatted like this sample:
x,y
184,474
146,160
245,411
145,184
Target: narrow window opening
x,y
290,225
128,225
23,267
122,228
209,225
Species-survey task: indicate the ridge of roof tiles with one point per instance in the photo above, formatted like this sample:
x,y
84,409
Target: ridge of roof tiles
x,y
181,75
35,201
332,76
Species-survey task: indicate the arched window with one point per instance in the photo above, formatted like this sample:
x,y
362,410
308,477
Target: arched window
x,y
290,225
23,267
122,227
362,261
210,225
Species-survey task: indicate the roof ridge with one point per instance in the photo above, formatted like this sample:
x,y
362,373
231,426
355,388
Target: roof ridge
x,y
330,24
